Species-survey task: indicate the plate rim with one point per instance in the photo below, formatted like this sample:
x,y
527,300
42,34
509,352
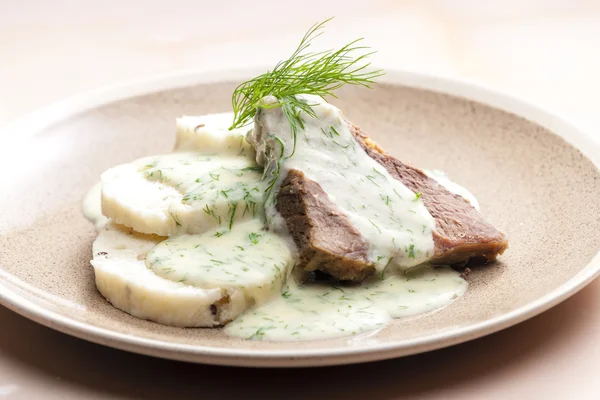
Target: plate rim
x,y
37,120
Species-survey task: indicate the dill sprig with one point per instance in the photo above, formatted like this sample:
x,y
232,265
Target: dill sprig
x,y
316,73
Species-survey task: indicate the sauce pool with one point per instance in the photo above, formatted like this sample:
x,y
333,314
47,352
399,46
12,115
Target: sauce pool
x,y
321,311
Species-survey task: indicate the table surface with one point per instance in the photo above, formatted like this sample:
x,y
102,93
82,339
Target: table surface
x,y
542,51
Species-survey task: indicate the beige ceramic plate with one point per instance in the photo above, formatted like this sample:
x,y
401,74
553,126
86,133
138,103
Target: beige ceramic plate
x,y
521,162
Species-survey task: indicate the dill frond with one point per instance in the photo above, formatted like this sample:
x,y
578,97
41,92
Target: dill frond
x,y
316,73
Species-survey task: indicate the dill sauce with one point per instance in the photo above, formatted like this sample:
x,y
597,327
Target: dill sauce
x,y
254,262
322,311
216,190
392,218
91,207
239,253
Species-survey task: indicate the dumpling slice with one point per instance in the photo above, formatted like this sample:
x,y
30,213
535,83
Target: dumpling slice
x,y
182,193
124,280
247,258
170,296
211,134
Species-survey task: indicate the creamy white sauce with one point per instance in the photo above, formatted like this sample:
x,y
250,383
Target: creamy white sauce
x,y
255,263
442,178
91,207
216,185
183,192
320,310
246,257
124,278
251,266
392,218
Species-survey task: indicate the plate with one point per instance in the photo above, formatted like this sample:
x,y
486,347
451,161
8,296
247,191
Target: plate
x,y
535,175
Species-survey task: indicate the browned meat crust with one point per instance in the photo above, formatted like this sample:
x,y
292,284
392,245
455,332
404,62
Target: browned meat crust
x,y
322,232
328,242
461,234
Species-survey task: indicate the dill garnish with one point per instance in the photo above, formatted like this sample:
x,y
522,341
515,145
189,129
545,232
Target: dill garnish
x,y
254,237
232,208
255,169
338,288
372,179
175,219
259,334
411,251
315,73
375,225
378,172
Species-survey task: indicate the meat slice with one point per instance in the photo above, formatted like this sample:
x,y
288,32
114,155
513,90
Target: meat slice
x,y
327,241
325,238
461,233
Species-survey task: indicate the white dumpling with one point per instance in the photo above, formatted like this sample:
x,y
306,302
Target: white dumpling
x,y
182,193
125,280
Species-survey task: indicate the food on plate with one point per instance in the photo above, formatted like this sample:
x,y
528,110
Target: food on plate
x,y
187,191
189,280
283,220
210,134
380,202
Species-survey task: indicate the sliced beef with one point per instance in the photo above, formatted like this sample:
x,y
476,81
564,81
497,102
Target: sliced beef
x,y
325,238
461,234
328,242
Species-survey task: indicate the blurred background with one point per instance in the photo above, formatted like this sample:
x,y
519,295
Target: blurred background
x,y
546,51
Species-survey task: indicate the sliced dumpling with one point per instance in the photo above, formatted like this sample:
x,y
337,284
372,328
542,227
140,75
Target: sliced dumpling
x,y
246,257
124,279
182,193
211,134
